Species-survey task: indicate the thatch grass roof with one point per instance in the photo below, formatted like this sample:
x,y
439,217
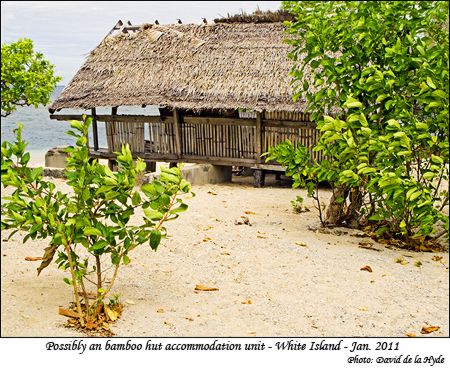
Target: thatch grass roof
x,y
217,66
258,16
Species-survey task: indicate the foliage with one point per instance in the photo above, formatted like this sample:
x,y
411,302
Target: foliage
x,y
93,221
375,76
27,78
298,205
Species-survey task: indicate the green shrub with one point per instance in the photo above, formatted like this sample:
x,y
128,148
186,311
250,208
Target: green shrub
x,y
92,222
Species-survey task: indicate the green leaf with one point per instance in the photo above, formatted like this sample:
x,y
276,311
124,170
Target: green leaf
x,y
353,103
99,245
35,173
429,175
181,208
155,239
92,231
431,83
115,260
136,198
440,94
152,214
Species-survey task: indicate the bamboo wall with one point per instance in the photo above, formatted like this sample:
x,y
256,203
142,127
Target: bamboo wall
x,y
216,140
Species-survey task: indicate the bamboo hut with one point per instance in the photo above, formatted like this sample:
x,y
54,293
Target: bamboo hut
x,y
223,90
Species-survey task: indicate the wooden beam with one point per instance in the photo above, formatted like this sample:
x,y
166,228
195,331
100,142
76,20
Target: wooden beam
x,y
258,137
186,119
177,130
164,157
219,121
117,117
94,128
269,167
284,123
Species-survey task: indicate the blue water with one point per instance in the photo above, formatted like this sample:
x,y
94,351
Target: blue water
x,y
39,130
42,133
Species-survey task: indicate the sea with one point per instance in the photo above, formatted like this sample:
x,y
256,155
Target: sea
x,y
42,133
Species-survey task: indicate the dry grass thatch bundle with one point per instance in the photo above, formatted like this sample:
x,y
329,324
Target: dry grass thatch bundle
x,y
257,16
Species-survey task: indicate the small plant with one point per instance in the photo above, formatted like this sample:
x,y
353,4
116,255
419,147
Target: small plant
x,y
93,221
298,205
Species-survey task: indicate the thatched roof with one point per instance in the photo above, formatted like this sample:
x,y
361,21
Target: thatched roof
x,y
217,66
257,16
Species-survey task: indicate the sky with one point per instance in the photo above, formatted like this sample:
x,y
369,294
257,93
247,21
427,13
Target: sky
x,y
66,31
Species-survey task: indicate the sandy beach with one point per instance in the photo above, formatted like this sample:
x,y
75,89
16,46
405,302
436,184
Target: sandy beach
x,y
275,277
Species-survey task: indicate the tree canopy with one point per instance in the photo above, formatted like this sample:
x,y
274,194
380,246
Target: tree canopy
x,y
27,77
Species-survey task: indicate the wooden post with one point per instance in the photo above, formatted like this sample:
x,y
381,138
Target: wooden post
x,y
258,137
112,163
177,130
94,128
259,177
150,166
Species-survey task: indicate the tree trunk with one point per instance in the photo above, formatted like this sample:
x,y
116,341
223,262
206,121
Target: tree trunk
x,y
335,210
353,216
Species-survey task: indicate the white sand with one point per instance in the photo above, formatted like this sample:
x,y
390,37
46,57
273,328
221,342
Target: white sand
x,y
312,290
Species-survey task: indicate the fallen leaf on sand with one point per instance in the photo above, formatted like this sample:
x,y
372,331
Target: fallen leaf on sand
x,y
248,301
204,288
261,237
436,258
33,258
90,325
301,244
110,314
206,239
401,261
68,313
365,243
244,221
368,245
411,335
366,268
160,310
422,248
250,213
212,193
129,301
429,329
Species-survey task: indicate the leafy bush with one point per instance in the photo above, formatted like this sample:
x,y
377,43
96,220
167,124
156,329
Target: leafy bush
x,y
91,222
27,78
375,76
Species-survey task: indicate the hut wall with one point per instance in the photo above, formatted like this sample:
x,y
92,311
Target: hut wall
x,y
194,138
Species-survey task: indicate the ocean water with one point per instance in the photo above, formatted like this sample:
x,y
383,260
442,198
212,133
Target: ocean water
x,y
42,133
